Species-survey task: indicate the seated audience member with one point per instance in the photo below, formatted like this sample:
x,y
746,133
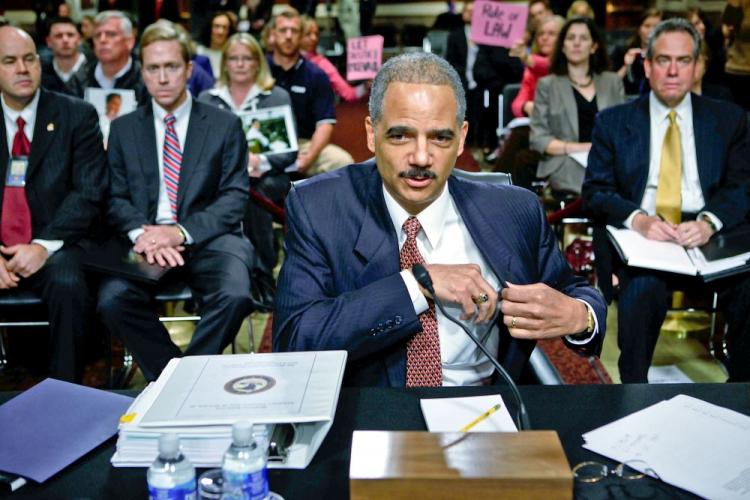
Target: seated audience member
x,y
735,25
201,78
151,11
64,41
629,60
536,63
693,183
567,101
346,285
580,8
246,84
181,211
114,67
309,46
311,94
51,196
713,45
86,28
703,87
222,26
516,157
258,15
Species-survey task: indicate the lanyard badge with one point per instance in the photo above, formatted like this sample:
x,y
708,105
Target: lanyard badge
x,y
17,166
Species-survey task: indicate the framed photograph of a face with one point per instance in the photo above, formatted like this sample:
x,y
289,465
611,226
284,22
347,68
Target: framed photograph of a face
x,y
269,130
109,104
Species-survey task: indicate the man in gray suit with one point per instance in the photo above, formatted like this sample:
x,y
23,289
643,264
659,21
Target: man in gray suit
x,y
179,191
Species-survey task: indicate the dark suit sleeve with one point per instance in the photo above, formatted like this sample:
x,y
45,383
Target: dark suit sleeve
x,y
312,315
121,213
222,215
73,217
556,273
731,201
600,190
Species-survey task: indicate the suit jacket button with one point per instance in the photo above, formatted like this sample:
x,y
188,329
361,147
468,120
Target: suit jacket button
x,y
389,324
398,319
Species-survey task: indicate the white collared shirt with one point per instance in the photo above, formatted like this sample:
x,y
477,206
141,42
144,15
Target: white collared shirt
x,y
107,83
692,194
11,128
66,76
182,120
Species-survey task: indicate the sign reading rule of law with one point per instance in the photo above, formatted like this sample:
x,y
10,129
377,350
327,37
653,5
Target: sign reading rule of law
x,y
364,56
498,24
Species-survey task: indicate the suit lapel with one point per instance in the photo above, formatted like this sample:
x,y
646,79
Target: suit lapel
x,y
705,133
45,128
148,155
191,150
638,133
569,103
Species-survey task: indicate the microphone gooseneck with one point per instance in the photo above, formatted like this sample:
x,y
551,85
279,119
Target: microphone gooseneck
x,y
522,417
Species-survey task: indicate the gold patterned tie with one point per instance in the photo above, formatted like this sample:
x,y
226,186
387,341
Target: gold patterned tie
x,y
669,189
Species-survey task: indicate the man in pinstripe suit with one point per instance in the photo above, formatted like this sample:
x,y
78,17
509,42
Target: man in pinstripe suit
x,y
53,175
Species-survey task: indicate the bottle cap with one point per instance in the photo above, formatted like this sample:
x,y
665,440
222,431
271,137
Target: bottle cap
x,y
169,444
242,433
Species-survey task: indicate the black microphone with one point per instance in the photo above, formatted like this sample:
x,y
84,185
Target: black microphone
x,y
522,417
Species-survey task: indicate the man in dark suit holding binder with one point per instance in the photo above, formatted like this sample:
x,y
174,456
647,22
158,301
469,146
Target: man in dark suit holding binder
x,y
53,177
179,191
694,182
355,234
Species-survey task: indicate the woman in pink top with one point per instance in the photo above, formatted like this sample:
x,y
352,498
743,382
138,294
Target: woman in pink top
x,y
536,62
309,45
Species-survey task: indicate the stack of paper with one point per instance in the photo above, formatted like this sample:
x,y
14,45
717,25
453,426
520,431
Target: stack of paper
x,y
200,397
691,444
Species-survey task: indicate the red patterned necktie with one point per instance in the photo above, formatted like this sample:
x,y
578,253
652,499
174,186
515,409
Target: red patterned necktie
x,y
423,366
15,227
172,162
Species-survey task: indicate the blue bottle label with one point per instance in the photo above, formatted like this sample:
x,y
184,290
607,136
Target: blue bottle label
x,y
184,491
254,485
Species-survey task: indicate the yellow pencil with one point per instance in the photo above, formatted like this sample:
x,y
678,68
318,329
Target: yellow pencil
x,y
481,417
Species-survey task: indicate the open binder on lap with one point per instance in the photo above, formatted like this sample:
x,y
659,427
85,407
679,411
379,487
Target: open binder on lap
x,y
726,254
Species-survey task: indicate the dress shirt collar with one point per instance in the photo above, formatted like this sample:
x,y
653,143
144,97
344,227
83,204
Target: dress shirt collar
x,y
181,113
223,93
431,218
107,83
660,112
28,114
66,76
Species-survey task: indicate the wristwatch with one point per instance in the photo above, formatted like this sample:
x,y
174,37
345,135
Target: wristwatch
x,y
590,326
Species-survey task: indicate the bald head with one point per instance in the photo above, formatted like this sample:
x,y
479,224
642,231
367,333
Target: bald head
x,y
20,70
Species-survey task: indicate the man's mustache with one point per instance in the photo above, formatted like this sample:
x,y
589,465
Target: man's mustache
x,y
418,173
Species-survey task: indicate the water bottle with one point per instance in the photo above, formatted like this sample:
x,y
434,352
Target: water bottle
x,y
171,476
244,467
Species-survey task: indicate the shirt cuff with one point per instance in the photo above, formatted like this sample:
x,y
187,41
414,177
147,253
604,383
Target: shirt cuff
x,y
713,218
418,300
133,234
51,246
596,327
264,165
188,239
629,221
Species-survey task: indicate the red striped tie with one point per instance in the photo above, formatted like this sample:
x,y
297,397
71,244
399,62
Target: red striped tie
x,y
172,162
15,225
423,365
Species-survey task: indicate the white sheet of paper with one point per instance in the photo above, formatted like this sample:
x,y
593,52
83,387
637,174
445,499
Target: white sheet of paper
x,y
451,414
669,374
582,158
689,443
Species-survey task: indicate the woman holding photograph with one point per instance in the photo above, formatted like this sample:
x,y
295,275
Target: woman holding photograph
x,y
245,84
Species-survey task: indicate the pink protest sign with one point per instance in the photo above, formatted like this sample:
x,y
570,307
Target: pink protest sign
x,y
498,23
364,55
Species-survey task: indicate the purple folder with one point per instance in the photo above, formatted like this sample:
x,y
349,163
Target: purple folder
x,y
54,423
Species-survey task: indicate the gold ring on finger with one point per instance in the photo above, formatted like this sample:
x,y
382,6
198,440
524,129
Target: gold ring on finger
x,y
480,299
513,322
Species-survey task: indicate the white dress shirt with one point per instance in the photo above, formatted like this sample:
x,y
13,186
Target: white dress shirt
x,y
444,239
11,128
65,76
182,120
692,194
